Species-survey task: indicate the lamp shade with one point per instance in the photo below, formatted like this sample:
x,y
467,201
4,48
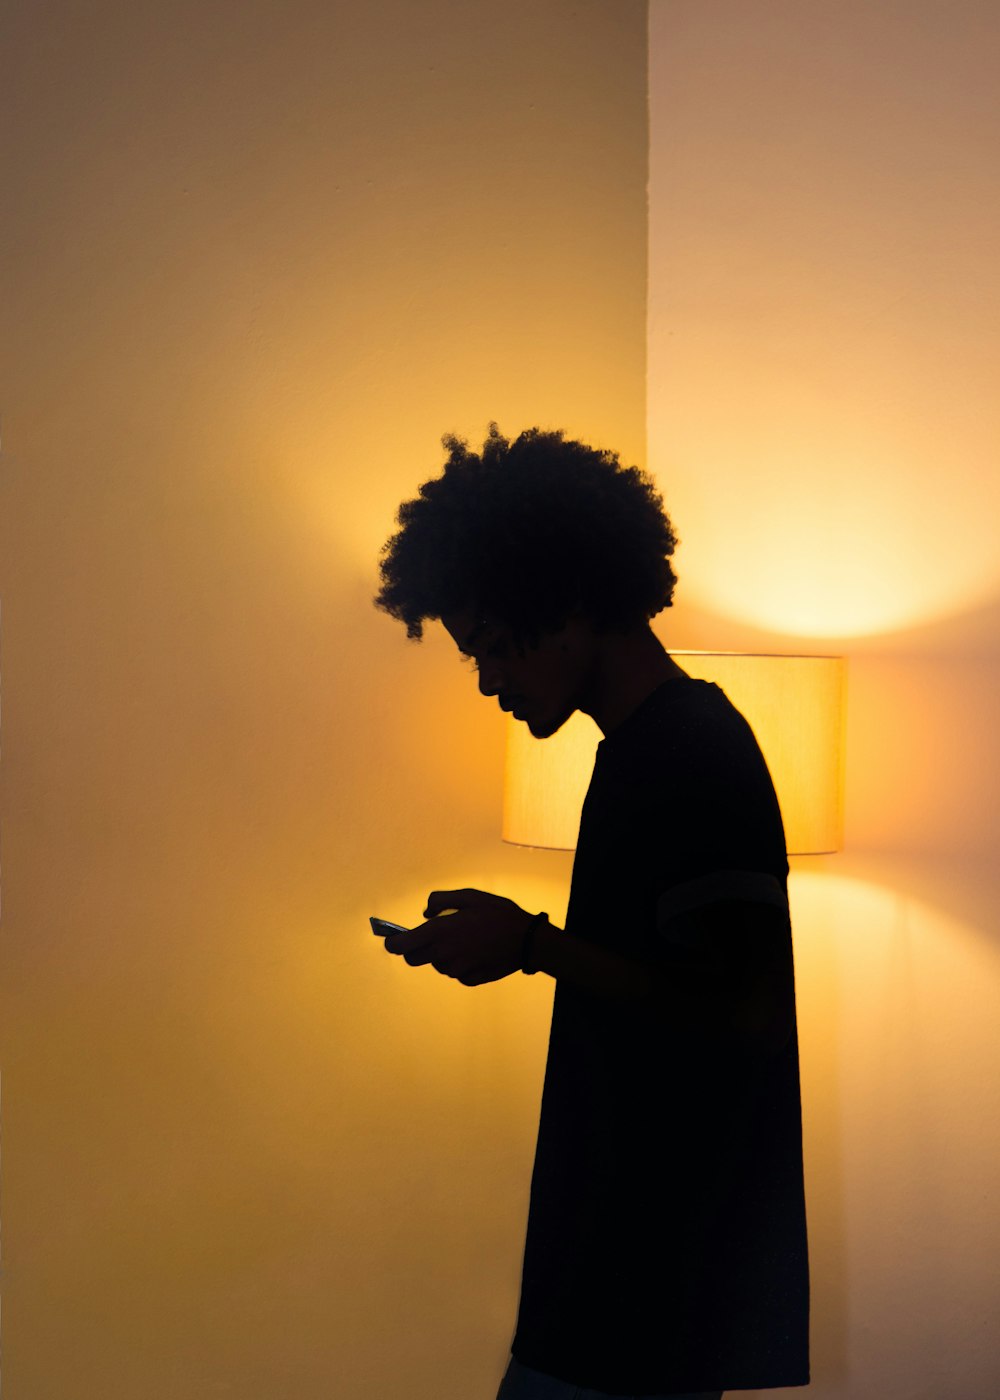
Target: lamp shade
x,y
794,704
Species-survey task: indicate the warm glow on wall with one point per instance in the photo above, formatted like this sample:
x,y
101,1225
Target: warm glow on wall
x,y
823,285
795,705
793,527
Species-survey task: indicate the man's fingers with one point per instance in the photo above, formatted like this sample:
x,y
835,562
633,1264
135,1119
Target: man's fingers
x,y
425,943
438,900
413,940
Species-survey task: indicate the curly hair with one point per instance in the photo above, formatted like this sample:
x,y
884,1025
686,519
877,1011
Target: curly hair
x,y
526,532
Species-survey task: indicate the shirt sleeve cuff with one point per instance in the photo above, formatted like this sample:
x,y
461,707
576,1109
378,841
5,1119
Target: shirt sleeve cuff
x,y
749,886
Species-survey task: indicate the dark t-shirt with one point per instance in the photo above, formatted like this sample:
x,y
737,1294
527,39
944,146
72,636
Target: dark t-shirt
x,y
666,1245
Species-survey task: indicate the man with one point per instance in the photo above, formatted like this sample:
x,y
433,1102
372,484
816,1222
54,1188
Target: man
x,y
666,1242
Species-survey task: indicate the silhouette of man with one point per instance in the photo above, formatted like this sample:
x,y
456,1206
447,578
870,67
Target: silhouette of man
x,y
666,1241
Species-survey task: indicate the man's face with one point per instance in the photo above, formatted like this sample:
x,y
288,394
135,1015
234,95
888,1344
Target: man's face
x,y
543,685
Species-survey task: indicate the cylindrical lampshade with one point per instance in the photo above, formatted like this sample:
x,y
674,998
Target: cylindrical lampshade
x,y
794,704
545,782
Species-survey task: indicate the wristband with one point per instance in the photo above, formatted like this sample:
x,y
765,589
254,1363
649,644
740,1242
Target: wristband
x,y
528,946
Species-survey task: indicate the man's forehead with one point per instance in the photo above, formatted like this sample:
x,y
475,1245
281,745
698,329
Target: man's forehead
x,y
463,624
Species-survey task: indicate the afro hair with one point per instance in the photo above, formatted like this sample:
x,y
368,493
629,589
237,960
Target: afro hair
x,y
526,532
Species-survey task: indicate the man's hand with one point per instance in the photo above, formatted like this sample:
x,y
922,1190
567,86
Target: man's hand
x,y
481,942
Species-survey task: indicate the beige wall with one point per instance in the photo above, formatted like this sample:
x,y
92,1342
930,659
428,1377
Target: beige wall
x,y
823,417
258,258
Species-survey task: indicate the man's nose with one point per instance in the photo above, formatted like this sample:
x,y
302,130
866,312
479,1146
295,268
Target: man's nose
x,y
489,679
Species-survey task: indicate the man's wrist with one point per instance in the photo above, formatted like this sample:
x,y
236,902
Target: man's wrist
x,y
529,962
584,964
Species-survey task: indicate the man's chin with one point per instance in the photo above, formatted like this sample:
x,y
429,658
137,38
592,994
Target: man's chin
x,y
541,727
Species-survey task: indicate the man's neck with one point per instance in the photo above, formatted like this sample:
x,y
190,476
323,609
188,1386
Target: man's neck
x,y
627,671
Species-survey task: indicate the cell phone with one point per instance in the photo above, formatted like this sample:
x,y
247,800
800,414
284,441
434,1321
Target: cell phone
x,y
381,927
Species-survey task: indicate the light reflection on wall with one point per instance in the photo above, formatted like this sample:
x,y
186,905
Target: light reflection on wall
x,y
810,537
898,1046
824,286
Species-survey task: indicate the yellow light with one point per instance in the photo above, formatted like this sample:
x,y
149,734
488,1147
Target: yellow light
x,y
545,782
795,706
